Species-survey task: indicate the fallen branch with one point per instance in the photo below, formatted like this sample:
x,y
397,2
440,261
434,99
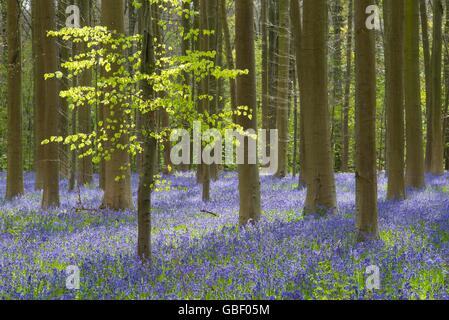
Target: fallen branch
x,y
211,213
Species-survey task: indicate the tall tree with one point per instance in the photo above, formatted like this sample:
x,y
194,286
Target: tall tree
x,y
39,93
337,80
412,90
395,100
296,21
437,147
347,95
64,53
282,103
428,80
85,169
204,170
321,194
117,193
14,183
228,50
50,195
249,181
149,123
265,80
366,176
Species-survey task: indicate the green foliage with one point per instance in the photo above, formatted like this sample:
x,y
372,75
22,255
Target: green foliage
x,y
118,88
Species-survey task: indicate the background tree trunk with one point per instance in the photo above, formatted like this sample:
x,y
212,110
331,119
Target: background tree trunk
x,y
249,181
50,196
412,90
14,182
366,175
347,97
395,100
321,194
437,158
282,103
428,76
117,194
85,168
39,94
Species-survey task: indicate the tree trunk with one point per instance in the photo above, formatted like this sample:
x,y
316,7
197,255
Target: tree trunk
x,y
297,34
347,97
146,177
428,77
283,88
437,158
366,176
14,183
204,170
39,94
249,182
395,100
117,194
337,90
85,169
412,90
265,78
321,194
64,53
50,196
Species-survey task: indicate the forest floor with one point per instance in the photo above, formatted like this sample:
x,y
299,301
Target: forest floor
x,y
200,256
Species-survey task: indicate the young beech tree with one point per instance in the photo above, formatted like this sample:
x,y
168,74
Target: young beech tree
x,y
412,91
14,184
132,85
321,193
249,182
366,176
149,123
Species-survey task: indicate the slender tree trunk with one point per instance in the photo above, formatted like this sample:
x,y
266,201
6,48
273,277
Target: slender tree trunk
x,y
283,88
412,90
295,122
117,193
265,78
273,37
321,194
146,178
50,196
347,97
249,181
437,160
204,170
85,168
64,53
395,101
212,10
366,176
296,21
39,94
14,183
446,77
337,90
428,76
